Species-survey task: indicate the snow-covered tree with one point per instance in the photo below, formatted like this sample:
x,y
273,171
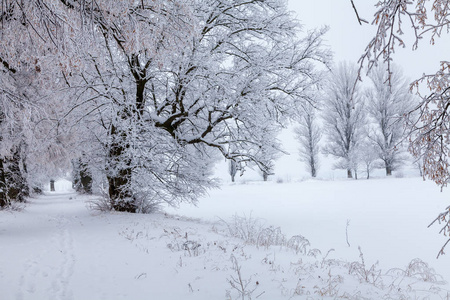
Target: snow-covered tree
x,y
269,151
429,122
153,90
308,133
232,169
344,116
367,157
29,47
428,125
387,105
211,76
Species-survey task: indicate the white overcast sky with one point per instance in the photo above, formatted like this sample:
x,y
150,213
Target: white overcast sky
x,y
348,39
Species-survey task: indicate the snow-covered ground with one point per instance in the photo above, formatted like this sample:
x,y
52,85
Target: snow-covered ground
x,y
56,248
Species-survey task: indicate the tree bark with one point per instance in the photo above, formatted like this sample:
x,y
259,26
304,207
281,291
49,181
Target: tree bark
x,y
3,199
16,183
25,187
120,193
349,173
388,171
82,178
13,182
86,180
232,169
139,75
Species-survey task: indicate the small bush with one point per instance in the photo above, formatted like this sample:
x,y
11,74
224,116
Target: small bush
x,y
370,275
252,231
299,244
139,202
180,242
417,269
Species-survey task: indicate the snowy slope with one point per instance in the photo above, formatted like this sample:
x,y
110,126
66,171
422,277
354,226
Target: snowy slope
x,y
58,249
388,217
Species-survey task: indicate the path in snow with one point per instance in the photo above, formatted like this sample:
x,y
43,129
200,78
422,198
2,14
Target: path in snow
x,y
56,248
40,249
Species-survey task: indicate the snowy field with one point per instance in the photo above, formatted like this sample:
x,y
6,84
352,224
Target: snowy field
x,y
245,241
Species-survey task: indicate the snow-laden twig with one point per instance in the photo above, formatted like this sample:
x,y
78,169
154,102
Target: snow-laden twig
x,y
239,284
346,232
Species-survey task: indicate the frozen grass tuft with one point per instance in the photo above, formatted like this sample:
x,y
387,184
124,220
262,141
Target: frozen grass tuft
x,y
370,275
143,204
299,244
417,269
14,206
253,232
181,242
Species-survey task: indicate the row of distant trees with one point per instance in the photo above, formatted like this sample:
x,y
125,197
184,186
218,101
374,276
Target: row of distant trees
x,y
363,128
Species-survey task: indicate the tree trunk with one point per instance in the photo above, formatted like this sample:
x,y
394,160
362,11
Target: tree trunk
x,y
349,173
52,185
82,178
25,187
232,168
13,182
75,176
120,193
3,199
313,171
86,180
16,183
265,176
388,171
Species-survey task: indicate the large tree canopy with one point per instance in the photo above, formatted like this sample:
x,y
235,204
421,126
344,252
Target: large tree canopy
x,y
154,91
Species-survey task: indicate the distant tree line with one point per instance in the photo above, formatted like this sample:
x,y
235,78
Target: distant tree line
x,y
364,128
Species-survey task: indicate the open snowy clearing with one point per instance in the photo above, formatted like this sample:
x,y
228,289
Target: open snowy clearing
x,y
58,249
